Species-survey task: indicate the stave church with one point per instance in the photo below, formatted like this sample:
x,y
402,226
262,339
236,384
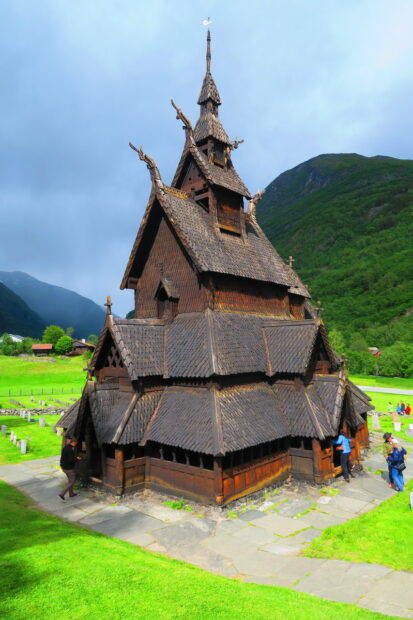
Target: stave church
x,y
224,381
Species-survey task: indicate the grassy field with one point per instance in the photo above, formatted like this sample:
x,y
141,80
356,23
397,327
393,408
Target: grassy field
x,y
49,569
44,378
391,382
41,441
380,536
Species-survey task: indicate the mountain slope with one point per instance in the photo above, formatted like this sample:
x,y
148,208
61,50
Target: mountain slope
x,y
56,305
348,222
16,317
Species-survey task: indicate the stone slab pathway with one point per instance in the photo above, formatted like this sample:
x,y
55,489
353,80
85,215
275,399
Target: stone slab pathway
x,y
260,545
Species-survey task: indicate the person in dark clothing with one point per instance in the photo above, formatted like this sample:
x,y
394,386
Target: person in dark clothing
x,y
67,463
343,445
396,460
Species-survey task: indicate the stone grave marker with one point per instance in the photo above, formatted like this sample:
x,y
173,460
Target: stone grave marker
x,y
409,431
42,422
14,440
375,422
397,427
4,429
28,416
411,500
53,428
11,436
23,446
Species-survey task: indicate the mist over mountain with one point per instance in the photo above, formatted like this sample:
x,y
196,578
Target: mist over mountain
x,y
348,222
56,305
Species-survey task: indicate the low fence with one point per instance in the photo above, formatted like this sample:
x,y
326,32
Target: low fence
x,y
46,391
40,412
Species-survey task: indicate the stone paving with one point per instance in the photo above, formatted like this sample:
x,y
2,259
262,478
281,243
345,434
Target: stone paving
x,y
255,540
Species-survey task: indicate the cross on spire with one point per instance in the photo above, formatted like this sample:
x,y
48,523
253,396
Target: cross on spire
x,y
290,261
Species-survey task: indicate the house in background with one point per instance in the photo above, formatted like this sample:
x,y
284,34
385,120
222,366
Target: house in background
x,y
42,349
80,346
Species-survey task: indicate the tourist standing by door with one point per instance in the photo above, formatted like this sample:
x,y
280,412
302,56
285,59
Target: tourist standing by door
x,y
343,445
387,449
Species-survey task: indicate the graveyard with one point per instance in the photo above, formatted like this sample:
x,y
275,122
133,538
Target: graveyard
x,y
41,441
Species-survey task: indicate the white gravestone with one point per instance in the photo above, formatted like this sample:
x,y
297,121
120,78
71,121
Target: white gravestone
x,y
397,427
42,422
375,422
411,427
23,446
15,440
411,500
4,429
11,436
28,416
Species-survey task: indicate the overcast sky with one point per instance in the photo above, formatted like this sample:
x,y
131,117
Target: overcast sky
x,y
80,78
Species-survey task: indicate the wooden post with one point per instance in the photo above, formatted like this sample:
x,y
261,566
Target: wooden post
x,y
219,491
119,471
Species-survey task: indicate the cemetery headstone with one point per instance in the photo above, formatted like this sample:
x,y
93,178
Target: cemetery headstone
x,y
411,427
375,422
23,446
53,428
409,432
11,436
15,440
4,429
28,416
397,427
42,422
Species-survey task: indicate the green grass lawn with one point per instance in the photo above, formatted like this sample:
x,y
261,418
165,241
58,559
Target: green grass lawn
x,y
391,382
62,377
51,569
41,441
381,536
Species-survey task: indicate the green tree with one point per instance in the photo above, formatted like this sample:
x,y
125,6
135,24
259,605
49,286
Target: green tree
x,y
52,333
357,342
69,331
336,340
7,346
64,344
92,339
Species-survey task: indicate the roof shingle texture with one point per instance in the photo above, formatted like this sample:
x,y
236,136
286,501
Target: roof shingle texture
x,y
209,90
290,344
209,125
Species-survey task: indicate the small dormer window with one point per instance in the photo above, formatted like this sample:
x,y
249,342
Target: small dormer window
x,y
167,298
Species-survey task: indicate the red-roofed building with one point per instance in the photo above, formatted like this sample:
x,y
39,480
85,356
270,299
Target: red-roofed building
x,y
42,349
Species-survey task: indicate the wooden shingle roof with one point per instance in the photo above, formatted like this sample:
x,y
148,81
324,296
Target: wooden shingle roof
x,y
209,125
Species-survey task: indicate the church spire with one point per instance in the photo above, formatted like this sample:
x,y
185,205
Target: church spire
x,y
208,125
208,53
209,91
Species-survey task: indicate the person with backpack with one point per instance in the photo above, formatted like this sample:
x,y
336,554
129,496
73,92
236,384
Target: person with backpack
x,y
396,460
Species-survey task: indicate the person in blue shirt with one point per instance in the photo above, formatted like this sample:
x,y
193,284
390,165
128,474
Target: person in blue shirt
x,y
343,444
396,461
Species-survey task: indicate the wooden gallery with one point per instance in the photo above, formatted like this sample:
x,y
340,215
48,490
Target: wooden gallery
x,y
224,381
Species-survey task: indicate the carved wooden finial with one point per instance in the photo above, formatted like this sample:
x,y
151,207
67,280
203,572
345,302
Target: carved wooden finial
x,y
151,165
319,309
181,116
108,305
252,204
290,261
235,143
343,361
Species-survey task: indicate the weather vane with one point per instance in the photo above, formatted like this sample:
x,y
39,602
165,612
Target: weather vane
x,y
206,22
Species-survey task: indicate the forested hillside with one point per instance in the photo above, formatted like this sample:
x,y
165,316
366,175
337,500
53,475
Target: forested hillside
x,y
55,304
348,222
16,317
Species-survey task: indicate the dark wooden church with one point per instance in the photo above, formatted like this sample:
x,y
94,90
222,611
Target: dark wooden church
x,y
224,382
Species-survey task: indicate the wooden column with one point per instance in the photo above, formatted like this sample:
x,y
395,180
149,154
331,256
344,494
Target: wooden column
x,y
119,471
219,488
